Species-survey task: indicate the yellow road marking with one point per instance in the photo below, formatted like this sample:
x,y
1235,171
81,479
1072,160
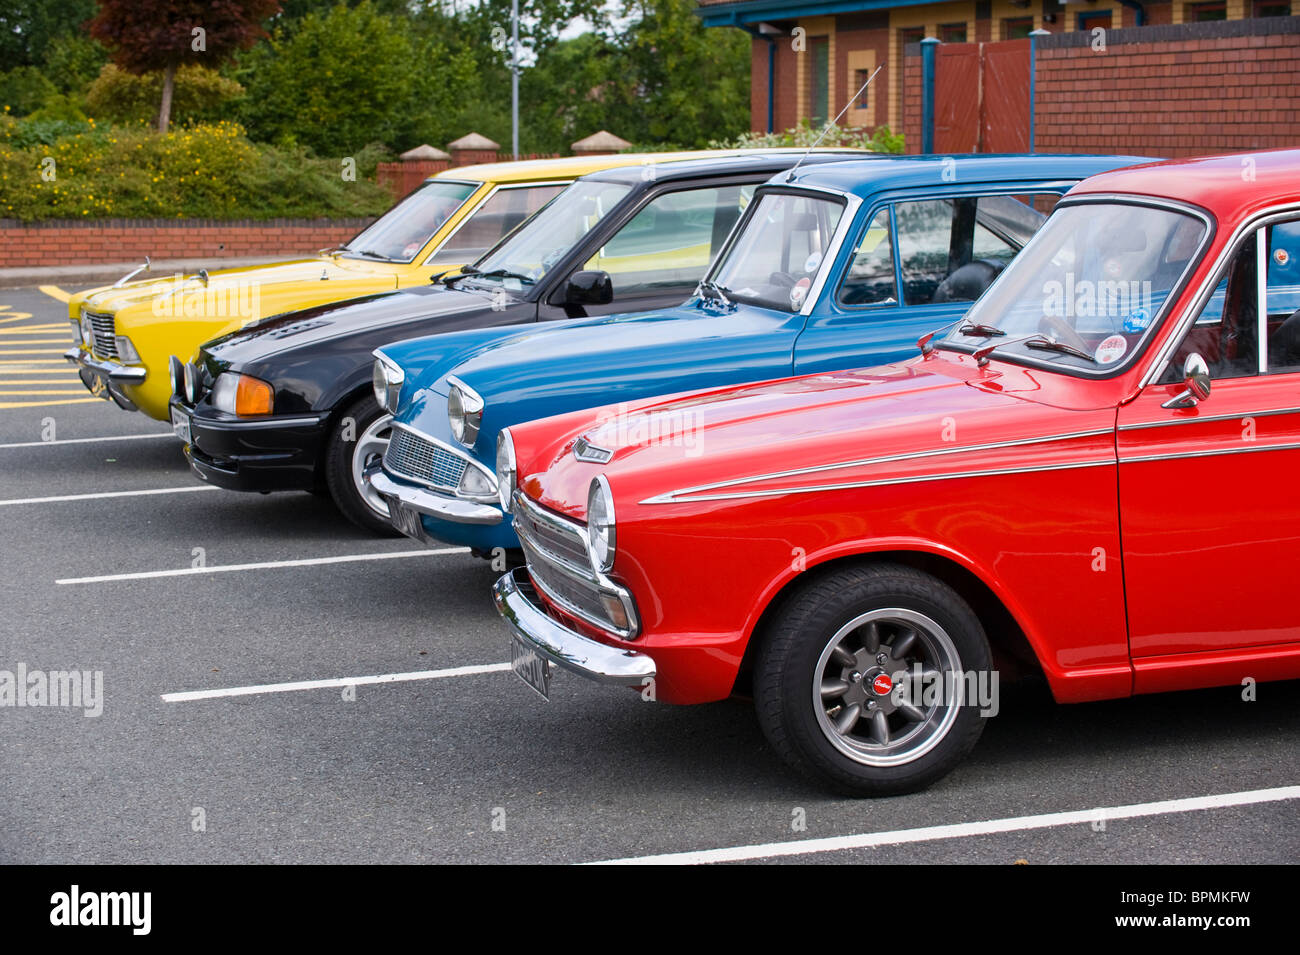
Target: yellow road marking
x,y
53,291
43,404
40,341
44,391
29,351
36,329
6,382
35,361
16,316
25,370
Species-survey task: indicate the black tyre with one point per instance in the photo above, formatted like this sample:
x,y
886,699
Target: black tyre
x,y
838,691
357,443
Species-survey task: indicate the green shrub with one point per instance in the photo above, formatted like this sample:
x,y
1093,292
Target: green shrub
x,y
200,95
24,89
880,140
205,171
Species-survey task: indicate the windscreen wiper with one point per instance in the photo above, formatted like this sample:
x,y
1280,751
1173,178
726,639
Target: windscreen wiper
x,y
1043,343
976,329
719,290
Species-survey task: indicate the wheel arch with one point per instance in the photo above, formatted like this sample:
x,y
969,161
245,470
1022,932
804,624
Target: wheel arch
x,y
1014,654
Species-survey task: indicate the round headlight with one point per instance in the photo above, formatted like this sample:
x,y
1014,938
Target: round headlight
x,y
506,474
387,379
601,539
176,375
464,411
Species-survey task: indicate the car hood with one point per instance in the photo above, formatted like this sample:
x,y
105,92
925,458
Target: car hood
x,y
336,321
916,420
270,280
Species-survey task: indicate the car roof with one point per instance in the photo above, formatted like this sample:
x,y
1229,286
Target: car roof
x,y
571,167
863,178
1230,187
728,163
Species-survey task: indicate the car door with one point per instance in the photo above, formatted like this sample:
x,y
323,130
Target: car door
x,y
916,266
656,258
1210,520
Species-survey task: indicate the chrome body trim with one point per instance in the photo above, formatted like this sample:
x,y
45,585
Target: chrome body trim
x,y
1143,425
1214,452
515,601
584,450
109,369
693,492
438,506
591,582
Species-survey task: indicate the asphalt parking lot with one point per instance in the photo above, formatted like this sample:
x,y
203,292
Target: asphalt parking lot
x,y
420,746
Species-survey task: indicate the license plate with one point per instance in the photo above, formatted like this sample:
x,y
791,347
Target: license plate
x,y
405,519
529,666
181,425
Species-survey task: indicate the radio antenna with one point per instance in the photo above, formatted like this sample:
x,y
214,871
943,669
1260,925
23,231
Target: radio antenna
x,y
827,128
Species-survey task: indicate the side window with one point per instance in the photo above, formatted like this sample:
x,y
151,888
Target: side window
x,y
491,221
1232,324
870,277
924,235
951,250
671,241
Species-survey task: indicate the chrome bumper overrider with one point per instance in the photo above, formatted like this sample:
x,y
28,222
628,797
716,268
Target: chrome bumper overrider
x,y
438,506
519,606
112,370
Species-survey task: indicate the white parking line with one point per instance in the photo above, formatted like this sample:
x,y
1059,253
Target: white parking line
x,y
228,568
115,437
189,696
103,494
962,830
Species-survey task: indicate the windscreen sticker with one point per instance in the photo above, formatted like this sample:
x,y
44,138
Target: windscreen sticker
x,y
1137,321
799,292
1111,350
810,264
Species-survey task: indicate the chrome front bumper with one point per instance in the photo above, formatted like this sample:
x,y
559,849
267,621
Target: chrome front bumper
x,y
520,607
111,370
438,506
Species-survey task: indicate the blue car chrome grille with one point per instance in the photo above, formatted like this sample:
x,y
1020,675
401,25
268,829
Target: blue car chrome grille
x,y
412,456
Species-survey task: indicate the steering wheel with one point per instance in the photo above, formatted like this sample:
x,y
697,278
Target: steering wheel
x,y
1053,326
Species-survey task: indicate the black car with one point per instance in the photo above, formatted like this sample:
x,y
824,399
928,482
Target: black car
x,y
287,403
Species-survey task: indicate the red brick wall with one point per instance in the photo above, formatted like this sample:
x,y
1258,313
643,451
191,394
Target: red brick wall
x,y
130,240
402,177
1171,90
786,113
912,103
851,40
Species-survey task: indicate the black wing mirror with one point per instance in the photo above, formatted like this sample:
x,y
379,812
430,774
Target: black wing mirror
x,y
589,287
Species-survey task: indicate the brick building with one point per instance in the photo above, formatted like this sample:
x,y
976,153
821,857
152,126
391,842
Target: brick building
x,y
810,56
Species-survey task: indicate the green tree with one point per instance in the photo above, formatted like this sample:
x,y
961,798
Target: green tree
x,y
148,35
24,89
73,60
338,80
29,27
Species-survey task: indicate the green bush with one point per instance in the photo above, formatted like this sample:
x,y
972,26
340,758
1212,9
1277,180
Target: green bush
x,y
24,90
205,171
880,140
200,95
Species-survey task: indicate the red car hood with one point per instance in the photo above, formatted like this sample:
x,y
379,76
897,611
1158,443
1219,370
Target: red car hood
x,y
903,421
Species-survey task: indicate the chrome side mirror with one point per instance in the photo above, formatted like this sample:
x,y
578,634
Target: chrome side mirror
x,y
1196,379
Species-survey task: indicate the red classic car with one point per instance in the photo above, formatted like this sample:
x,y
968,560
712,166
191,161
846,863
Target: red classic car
x,y
1087,474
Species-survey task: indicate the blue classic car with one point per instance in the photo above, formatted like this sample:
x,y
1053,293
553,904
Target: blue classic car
x,y
829,268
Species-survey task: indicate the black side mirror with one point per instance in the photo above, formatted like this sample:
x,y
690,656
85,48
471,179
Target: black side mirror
x,y
592,287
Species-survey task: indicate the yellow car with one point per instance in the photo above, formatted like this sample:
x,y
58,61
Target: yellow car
x,y
126,333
